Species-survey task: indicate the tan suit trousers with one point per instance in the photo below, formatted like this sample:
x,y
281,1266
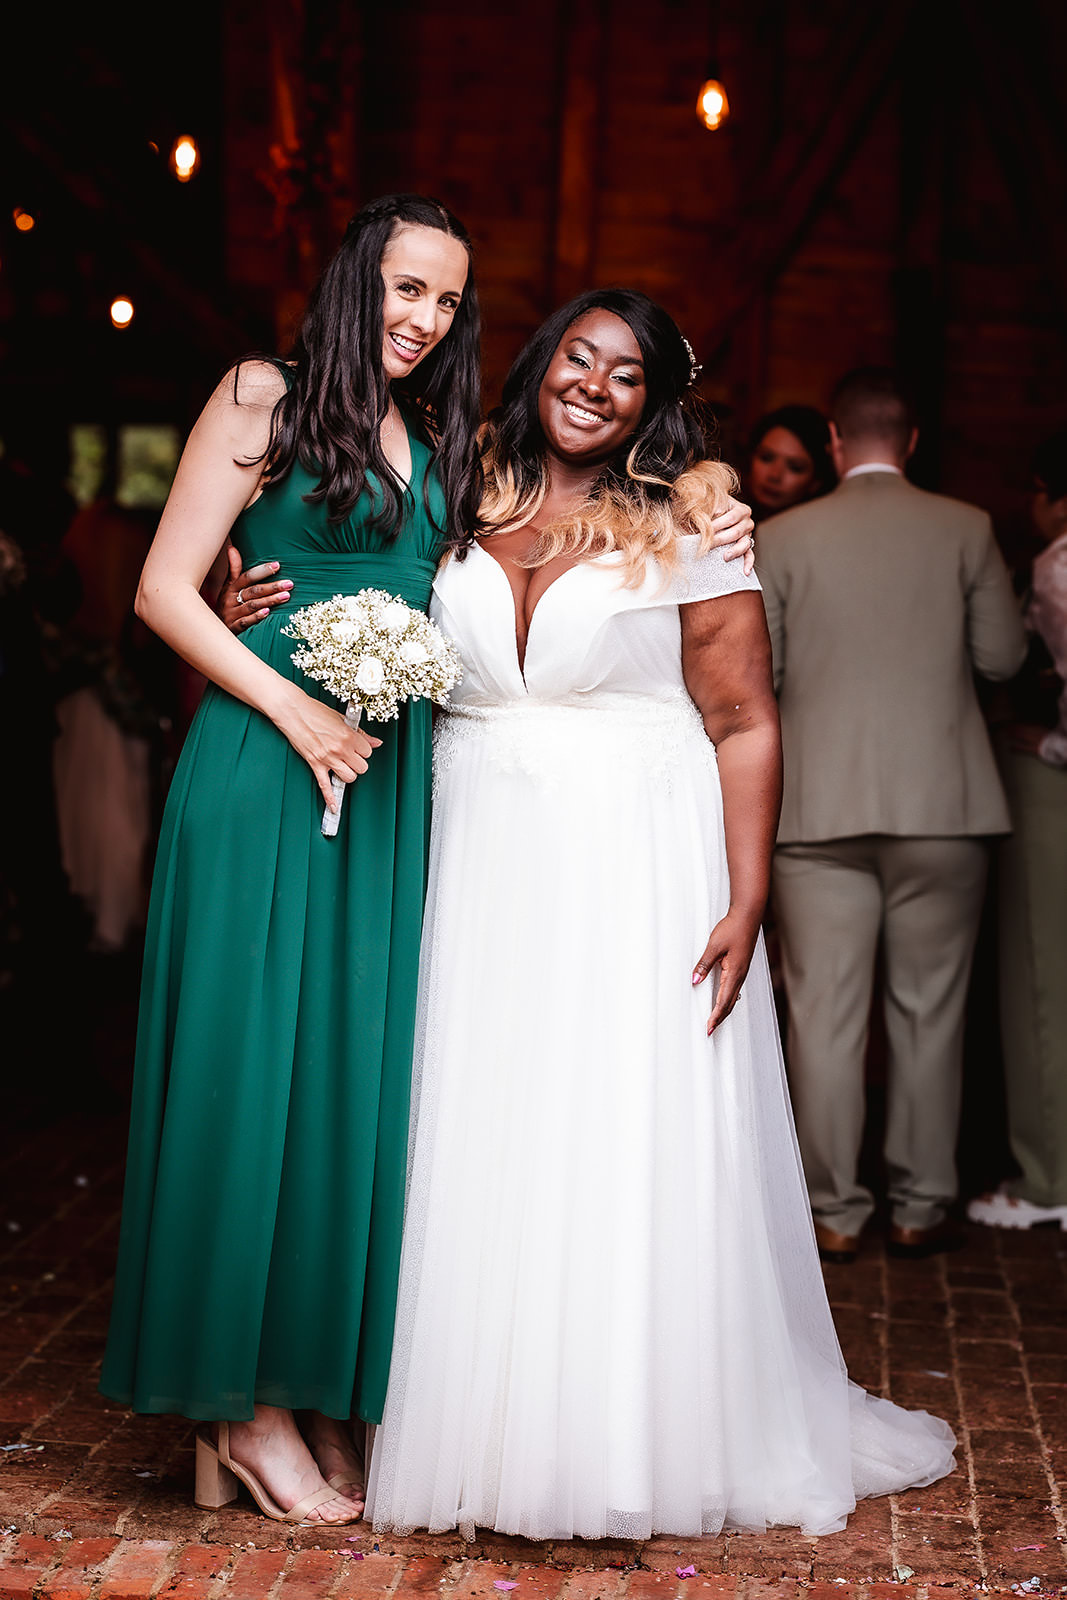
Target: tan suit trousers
x,y
835,902
1032,906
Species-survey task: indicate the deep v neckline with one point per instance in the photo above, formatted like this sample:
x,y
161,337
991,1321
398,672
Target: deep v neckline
x,y
521,661
399,476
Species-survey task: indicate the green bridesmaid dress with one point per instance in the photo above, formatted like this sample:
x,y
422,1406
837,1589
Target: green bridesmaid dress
x,y
264,1194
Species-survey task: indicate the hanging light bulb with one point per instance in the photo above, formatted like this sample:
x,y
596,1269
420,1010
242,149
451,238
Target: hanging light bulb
x,y
713,106
121,312
184,158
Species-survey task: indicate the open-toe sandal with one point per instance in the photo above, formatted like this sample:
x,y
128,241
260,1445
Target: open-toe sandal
x,y
219,1477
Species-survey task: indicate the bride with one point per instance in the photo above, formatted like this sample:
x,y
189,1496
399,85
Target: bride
x,y
612,1319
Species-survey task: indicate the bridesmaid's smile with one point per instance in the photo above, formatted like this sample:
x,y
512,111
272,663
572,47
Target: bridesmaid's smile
x,y
424,273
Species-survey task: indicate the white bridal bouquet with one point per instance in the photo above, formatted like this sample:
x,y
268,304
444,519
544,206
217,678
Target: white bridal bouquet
x,y
373,651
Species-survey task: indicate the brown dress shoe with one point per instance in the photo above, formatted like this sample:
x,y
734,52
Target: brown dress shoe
x,y
837,1248
915,1244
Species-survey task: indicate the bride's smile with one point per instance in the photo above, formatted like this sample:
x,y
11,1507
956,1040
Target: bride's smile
x,y
593,395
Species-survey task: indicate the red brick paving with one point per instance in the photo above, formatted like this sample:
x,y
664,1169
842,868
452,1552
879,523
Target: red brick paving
x,y
137,1568
97,1504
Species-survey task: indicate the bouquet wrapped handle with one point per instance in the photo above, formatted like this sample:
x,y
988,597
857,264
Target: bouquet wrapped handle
x,y
330,819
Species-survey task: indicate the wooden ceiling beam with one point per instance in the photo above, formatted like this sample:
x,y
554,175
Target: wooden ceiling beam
x,y
805,167
1027,133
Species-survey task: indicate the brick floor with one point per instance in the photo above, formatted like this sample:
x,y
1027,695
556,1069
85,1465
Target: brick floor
x,y
95,1503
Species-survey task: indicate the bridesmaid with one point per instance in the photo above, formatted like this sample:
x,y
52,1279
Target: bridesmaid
x,y
257,1271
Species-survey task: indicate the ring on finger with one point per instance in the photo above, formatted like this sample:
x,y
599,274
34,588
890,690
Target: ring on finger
x,y
240,597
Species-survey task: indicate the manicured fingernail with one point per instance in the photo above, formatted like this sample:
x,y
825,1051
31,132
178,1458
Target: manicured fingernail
x,y
275,565
711,1030
286,583
696,977
264,613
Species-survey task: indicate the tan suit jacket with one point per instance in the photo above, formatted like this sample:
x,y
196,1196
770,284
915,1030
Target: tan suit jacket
x,y
882,601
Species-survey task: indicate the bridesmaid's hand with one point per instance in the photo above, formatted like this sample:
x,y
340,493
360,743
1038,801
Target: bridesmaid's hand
x,y
322,737
730,949
245,597
734,532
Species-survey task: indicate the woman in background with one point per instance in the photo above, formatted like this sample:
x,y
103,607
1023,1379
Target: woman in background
x,y
788,460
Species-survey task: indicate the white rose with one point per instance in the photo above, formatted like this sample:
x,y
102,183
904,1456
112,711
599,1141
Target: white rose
x,y
344,632
354,609
370,675
394,617
412,653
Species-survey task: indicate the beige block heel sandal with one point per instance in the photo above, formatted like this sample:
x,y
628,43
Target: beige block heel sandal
x,y
219,1478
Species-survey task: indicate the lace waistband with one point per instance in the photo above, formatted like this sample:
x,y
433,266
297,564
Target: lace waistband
x,y
616,736
643,709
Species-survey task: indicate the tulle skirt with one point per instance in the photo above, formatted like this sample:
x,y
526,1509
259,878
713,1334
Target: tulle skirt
x,y
612,1318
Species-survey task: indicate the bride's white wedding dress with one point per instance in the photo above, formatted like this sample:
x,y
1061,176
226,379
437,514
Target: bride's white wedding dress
x,y
612,1318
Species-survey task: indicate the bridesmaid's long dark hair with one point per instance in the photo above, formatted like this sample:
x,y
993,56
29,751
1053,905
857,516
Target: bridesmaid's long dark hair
x,y
338,393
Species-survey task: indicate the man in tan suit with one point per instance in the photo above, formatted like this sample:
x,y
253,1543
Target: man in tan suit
x,y
882,601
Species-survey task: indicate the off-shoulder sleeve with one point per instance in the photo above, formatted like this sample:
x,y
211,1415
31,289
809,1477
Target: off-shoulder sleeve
x,y
707,576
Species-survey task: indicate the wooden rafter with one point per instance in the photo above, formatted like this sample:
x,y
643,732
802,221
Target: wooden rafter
x,y
804,168
1026,130
582,46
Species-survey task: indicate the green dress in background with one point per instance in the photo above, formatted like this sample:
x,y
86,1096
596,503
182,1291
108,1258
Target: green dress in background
x,y
264,1194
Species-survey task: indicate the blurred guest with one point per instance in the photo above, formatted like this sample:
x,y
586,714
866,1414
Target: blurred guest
x,y
788,462
38,591
882,601
1032,882
788,459
110,720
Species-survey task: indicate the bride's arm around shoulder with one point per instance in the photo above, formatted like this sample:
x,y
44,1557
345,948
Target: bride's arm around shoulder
x,y
726,660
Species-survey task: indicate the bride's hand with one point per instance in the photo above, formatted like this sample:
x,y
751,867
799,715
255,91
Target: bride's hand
x,y
246,596
325,741
734,529
730,949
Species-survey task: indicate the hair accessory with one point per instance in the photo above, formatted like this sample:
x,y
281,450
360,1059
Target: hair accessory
x,y
695,368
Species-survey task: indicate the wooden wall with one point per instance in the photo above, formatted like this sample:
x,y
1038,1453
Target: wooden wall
x,y
888,188
882,191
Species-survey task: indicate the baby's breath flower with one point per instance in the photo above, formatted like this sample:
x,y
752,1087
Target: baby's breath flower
x,y
375,650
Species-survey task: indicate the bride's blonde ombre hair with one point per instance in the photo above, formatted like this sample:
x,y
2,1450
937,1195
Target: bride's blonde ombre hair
x,y
621,517
659,486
